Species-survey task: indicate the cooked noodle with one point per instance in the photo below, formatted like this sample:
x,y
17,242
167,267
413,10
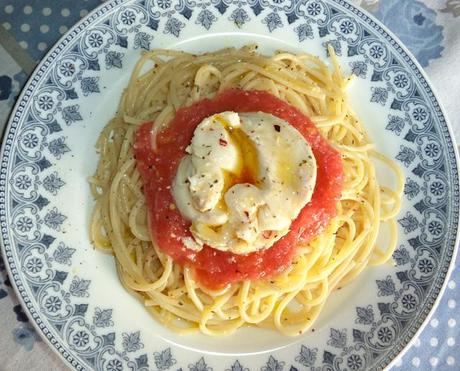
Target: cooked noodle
x,y
293,300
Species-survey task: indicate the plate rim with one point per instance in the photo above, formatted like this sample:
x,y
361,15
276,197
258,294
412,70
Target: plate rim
x,y
108,7
456,248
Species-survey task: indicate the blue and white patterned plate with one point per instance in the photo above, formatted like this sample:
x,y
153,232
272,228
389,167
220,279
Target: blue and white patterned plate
x,y
71,292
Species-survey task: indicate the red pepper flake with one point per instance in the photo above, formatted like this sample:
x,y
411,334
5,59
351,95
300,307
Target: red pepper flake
x,y
267,234
223,142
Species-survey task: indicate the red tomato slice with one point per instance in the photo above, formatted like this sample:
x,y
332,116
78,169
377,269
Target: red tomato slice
x,y
214,268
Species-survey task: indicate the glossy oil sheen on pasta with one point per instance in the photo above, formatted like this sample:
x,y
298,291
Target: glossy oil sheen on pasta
x,y
292,301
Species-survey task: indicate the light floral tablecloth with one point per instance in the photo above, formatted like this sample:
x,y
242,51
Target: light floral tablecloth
x,y
430,29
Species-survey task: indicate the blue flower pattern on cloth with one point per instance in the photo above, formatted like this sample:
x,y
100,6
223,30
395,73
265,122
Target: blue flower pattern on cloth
x,y
3,280
25,336
415,24
5,87
10,87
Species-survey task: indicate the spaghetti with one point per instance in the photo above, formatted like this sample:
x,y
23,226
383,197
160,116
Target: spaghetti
x,y
162,82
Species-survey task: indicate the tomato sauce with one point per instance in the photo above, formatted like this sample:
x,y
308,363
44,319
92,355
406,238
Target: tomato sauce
x,y
214,268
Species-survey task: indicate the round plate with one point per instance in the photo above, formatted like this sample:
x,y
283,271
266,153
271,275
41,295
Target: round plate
x,y
71,291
